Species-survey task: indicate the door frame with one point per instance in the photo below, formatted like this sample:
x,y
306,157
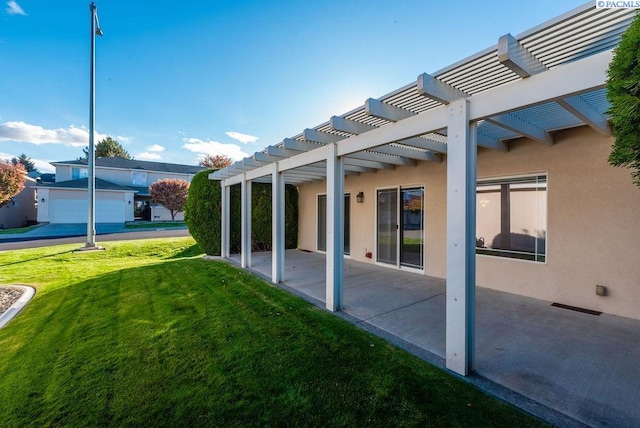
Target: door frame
x,y
398,264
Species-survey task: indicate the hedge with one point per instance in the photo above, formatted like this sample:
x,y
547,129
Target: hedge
x,y
202,215
623,93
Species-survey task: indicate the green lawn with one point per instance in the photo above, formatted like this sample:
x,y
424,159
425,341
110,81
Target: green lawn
x,y
149,334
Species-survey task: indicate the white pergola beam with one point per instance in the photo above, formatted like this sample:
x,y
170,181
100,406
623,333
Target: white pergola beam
x,y
379,157
517,58
566,80
583,111
386,111
409,153
570,79
264,157
426,144
349,126
520,126
436,89
461,225
321,137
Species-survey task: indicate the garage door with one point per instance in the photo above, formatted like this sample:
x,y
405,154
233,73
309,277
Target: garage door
x,y
75,211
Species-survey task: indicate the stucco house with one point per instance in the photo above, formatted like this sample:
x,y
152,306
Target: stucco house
x,y
491,172
122,190
21,210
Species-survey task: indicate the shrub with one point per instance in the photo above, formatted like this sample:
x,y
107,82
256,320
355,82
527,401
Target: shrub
x,y
203,210
623,92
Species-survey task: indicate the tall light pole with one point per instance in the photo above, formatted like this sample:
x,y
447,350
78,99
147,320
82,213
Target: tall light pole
x,y
91,156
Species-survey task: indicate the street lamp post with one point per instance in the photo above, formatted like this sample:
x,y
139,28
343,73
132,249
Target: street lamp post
x,y
91,220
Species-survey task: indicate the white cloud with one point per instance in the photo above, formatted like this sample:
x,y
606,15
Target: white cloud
x,y
214,148
243,138
148,156
123,139
14,8
155,148
25,133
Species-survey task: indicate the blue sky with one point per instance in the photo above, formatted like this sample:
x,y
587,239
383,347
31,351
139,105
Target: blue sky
x,y
176,80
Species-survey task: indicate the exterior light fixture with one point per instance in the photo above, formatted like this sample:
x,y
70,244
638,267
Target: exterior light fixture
x,y
360,197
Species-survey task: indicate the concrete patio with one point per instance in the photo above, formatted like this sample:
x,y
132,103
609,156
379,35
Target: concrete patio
x,y
567,367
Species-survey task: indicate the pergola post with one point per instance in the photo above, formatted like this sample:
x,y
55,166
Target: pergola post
x,y
335,229
245,228
277,224
461,227
225,219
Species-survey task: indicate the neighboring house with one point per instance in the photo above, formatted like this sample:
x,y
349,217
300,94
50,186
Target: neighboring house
x,y
122,191
490,172
20,210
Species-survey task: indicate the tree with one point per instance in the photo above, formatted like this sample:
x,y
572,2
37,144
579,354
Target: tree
x,y
25,162
623,93
107,148
11,180
215,161
171,193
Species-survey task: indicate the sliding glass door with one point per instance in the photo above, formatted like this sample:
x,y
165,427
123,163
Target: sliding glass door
x,y
400,227
387,239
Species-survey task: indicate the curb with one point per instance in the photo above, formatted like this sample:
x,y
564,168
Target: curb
x,y
18,305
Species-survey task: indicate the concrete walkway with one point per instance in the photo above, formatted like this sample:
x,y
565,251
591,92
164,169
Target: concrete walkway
x,y
549,361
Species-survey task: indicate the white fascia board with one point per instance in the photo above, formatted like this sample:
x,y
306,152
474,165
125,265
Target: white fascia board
x,y
349,126
436,89
583,111
559,82
426,144
386,111
321,137
517,58
517,125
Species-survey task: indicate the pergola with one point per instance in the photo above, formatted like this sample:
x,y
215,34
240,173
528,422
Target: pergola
x,y
549,78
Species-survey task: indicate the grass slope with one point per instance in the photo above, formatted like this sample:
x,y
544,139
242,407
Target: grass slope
x,y
149,334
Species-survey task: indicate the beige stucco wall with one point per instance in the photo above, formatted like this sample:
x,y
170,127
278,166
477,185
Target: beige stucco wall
x,y
592,230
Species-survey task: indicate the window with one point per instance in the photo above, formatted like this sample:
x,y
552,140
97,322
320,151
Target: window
x,y
511,219
77,173
138,178
322,223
